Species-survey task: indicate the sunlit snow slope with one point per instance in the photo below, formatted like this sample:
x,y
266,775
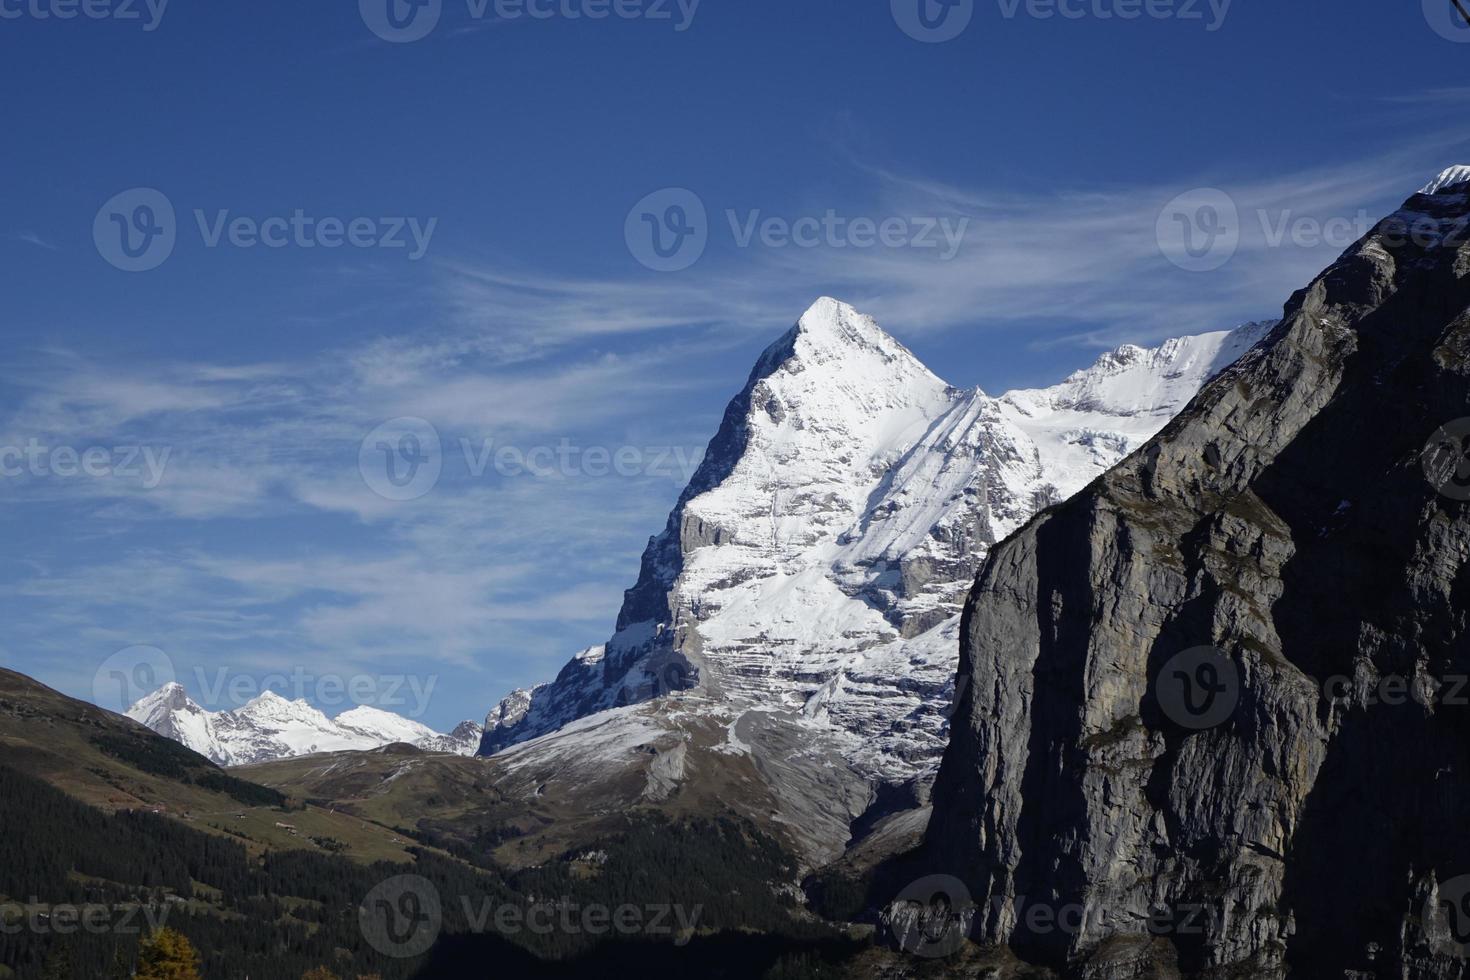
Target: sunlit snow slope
x,y
817,563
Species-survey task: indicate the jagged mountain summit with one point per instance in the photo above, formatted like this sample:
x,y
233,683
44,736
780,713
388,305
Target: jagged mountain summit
x,y
814,569
1223,683
270,727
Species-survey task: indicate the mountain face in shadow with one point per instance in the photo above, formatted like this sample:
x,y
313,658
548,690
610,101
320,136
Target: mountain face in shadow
x,y
1214,707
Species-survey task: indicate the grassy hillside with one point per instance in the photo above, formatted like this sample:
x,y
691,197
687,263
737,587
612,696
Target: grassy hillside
x,y
114,763
269,882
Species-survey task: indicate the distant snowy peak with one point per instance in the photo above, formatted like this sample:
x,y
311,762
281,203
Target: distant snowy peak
x,y
1451,177
271,727
818,561
1143,381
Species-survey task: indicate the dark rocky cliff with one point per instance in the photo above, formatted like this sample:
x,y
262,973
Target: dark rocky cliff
x,y
1299,801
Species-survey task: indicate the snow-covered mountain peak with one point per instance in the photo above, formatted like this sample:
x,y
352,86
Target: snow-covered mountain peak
x,y
1136,381
366,715
171,695
380,723
832,331
1451,177
271,706
836,372
171,699
272,727
818,561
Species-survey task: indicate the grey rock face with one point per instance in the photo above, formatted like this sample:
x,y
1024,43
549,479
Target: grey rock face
x,y
1286,519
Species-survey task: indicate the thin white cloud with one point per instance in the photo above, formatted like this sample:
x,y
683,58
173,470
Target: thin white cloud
x,y
31,238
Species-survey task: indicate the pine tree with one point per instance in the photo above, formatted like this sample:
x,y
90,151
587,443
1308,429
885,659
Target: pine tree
x,y
57,965
122,964
167,955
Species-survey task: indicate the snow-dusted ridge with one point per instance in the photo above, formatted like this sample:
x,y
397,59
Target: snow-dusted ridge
x,y
1451,177
270,727
817,564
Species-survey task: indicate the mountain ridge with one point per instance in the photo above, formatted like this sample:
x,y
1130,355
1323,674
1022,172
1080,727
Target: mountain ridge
x,y
270,727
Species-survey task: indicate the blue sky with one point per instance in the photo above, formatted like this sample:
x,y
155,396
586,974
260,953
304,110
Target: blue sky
x,y
519,315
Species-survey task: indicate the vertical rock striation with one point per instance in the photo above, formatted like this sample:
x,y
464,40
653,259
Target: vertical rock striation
x,y
1284,518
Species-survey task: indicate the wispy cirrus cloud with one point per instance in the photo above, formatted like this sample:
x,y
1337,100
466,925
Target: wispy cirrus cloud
x,y
1078,264
31,238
